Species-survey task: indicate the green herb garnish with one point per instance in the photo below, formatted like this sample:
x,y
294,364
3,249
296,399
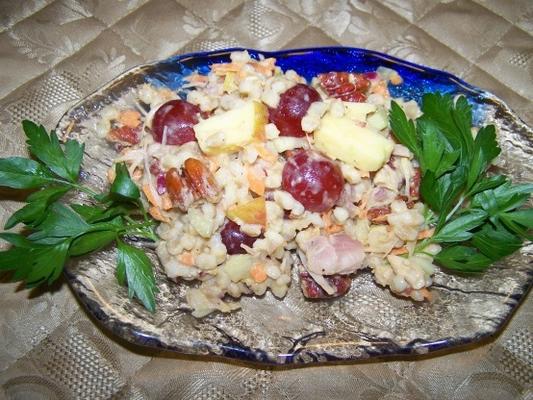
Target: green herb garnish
x,y
55,230
478,219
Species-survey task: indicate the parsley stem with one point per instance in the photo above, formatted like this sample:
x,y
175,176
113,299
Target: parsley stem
x,y
82,188
76,186
422,245
129,219
139,225
144,213
143,228
455,208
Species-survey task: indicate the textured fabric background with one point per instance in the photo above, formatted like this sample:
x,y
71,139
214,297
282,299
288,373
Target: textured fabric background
x,y
54,52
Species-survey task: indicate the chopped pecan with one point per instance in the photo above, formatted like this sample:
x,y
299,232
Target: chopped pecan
x,y
414,188
332,80
409,203
361,82
378,215
180,193
123,135
201,180
345,86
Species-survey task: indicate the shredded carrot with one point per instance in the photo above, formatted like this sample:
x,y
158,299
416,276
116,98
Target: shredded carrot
x,y
222,69
150,195
197,78
265,154
329,225
334,228
426,233
396,79
256,180
266,66
111,175
130,118
167,94
426,293
157,214
257,272
399,251
242,74
186,258
166,202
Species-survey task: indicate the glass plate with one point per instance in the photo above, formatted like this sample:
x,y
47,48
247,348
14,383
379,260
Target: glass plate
x,y
369,321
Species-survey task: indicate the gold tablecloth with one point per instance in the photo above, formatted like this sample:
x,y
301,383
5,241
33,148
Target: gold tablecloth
x,y
54,52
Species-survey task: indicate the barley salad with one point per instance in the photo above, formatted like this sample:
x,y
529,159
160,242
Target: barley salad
x,y
253,166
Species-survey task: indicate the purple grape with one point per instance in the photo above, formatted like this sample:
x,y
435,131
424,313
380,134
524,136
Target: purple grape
x,y
233,237
312,290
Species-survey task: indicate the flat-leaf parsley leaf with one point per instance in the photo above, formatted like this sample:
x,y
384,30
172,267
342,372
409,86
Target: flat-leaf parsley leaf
x,y
55,231
483,213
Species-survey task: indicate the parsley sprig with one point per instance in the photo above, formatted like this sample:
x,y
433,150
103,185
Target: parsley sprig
x,y
479,219
54,231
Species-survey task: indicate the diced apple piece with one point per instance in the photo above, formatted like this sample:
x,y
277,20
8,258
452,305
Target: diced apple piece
x,y
238,267
342,139
229,132
252,212
378,120
229,82
284,143
358,111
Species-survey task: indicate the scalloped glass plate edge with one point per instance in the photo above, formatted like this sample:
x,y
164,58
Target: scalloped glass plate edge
x,y
308,348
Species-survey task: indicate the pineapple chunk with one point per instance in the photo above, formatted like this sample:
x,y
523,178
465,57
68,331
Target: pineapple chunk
x,y
358,111
231,131
342,139
252,212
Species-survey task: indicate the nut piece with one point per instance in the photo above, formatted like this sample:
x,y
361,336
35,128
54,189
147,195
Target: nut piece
x,y
201,181
178,189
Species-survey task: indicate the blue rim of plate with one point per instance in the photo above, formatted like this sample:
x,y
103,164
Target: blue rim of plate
x,y
297,51
446,82
172,69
